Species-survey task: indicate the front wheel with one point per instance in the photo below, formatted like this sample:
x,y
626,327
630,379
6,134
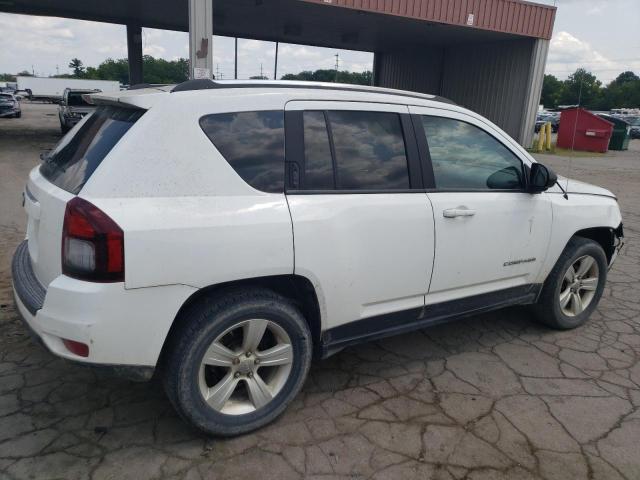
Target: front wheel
x,y
237,361
573,288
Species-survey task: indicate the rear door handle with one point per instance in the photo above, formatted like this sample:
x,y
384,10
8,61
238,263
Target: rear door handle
x,y
458,212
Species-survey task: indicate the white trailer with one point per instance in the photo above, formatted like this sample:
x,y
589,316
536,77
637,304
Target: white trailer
x,y
52,88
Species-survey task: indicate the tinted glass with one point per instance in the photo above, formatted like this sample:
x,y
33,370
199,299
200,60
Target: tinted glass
x,y
465,157
76,100
318,174
252,143
369,149
76,157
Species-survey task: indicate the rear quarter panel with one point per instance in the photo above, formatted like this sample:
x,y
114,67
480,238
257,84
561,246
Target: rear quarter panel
x,y
188,217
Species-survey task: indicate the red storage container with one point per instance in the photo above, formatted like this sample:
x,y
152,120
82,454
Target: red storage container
x,y
584,131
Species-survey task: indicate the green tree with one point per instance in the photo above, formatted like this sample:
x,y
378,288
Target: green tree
x,y
583,88
551,91
623,92
77,66
7,77
327,75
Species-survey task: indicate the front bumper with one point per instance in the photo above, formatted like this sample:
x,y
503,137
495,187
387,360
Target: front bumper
x,y
618,243
124,329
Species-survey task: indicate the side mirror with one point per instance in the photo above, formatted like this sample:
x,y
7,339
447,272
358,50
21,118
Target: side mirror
x,y
541,178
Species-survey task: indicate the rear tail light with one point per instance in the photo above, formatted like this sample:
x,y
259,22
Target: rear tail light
x,y
92,244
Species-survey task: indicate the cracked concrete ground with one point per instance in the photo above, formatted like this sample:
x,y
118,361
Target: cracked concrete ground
x,y
494,396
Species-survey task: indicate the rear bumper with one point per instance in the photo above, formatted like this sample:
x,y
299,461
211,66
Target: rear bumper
x,y
9,112
124,329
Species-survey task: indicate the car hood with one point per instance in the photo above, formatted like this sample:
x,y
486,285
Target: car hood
x,y
578,187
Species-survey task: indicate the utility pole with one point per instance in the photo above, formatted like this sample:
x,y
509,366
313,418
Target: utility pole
x,y
337,64
261,75
57,70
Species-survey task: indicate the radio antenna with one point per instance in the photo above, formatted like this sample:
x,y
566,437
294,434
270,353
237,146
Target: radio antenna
x,y
575,130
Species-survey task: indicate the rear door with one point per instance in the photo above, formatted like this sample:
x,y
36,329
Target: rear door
x,y
61,176
491,234
363,226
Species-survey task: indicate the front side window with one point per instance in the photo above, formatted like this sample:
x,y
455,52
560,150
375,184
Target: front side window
x,y
252,143
466,157
369,150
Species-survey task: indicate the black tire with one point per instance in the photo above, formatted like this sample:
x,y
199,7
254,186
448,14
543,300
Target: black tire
x,y
18,115
200,325
547,310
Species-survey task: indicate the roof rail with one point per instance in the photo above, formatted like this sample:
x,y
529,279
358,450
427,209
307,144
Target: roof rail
x,y
197,84
206,83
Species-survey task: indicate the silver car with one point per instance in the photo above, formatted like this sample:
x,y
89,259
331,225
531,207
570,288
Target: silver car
x,y
73,107
9,106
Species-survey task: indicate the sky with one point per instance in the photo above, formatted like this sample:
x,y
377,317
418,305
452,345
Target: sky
x,y
599,35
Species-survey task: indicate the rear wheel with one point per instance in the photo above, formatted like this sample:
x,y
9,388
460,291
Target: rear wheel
x,y
237,361
574,286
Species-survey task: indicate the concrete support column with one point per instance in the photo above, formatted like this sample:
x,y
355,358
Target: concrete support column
x,y
200,38
134,53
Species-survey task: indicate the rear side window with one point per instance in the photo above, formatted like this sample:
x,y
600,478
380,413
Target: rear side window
x,y
73,161
466,157
354,150
369,150
252,143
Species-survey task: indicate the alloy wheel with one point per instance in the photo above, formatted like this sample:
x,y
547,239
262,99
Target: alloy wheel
x,y
579,285
245,367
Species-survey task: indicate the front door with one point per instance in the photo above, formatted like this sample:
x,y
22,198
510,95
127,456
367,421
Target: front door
x,y
490,233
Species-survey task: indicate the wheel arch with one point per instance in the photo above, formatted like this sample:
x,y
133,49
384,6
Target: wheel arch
x,y
296,288
604,236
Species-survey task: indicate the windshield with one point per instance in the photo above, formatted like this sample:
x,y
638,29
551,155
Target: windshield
x,y
75,100
80,152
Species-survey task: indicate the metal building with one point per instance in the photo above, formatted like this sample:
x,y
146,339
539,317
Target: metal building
x,y
487,55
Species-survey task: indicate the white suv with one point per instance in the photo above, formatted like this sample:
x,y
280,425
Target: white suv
x,y
223,233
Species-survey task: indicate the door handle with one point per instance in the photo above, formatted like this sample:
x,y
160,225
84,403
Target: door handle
x,y
458,212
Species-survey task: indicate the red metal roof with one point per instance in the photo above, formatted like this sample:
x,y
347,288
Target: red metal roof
x,y
508,16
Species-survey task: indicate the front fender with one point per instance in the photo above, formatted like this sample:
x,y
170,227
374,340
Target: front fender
x,y
578,212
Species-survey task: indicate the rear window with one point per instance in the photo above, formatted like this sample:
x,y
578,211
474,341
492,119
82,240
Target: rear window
x,y
252,143
73,161
76,100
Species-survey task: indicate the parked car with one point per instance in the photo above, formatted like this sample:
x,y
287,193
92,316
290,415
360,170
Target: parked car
x,y
9,106
635,126
553,119
21,94
161,235
73,107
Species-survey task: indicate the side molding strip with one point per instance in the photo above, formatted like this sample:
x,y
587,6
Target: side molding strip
x,y
380,326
